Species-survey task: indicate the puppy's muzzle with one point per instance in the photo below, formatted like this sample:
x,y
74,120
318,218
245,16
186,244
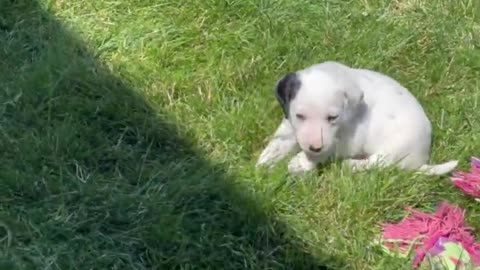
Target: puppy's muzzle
x,y
315,149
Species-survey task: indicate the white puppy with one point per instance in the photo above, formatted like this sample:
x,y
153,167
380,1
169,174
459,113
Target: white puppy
x,y
360,116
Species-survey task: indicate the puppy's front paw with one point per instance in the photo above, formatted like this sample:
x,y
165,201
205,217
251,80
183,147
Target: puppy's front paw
x,y
355,165
300,163
267,157
274,152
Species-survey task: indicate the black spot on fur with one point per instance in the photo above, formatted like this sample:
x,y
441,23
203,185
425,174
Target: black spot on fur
x,y
286,90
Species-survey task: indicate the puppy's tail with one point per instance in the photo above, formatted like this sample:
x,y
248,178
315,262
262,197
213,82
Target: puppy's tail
x,y
438,169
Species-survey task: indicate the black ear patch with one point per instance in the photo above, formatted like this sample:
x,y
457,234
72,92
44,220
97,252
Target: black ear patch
x,y
286,90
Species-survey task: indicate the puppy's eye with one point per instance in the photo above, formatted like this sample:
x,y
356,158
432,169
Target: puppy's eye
x,y
300,116
332,118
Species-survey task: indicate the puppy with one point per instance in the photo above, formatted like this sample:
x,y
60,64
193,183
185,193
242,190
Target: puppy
x,y
360,116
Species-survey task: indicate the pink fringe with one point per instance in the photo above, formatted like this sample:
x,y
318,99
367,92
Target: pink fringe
x,y
469,182
447,222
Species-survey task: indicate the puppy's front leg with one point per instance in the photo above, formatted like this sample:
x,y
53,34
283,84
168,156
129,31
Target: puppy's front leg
x,y
304,163
282,143
358,165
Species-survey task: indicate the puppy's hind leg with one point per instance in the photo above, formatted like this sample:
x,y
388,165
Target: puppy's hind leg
x,y
282,143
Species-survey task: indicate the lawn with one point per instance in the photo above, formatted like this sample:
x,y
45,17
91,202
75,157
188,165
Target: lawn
x,y
129,130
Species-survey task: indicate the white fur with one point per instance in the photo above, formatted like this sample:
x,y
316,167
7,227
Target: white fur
x,y
379,123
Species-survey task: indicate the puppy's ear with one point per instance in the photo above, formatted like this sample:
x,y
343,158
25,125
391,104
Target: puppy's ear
x,y
353,96
286,90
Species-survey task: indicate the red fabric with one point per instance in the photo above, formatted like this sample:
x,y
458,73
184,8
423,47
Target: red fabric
x,y
469,182
448,222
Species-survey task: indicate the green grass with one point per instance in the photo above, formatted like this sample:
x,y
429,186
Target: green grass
x,y
129,130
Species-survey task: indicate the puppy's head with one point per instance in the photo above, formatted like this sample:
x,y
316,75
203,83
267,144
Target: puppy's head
x,y
317,104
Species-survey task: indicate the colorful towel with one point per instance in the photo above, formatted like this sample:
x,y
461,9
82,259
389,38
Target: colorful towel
x,y
426,234
469,182
447,255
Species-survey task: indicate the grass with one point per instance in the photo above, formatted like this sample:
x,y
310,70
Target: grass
x,y
129,130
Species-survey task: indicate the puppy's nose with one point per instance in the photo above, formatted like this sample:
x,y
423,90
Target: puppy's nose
x,y
314,149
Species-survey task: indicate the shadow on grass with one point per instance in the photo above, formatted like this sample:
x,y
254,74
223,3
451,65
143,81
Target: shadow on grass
x,y
93,178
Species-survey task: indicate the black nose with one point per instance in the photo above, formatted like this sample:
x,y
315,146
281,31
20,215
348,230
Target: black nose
x,y
315,149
